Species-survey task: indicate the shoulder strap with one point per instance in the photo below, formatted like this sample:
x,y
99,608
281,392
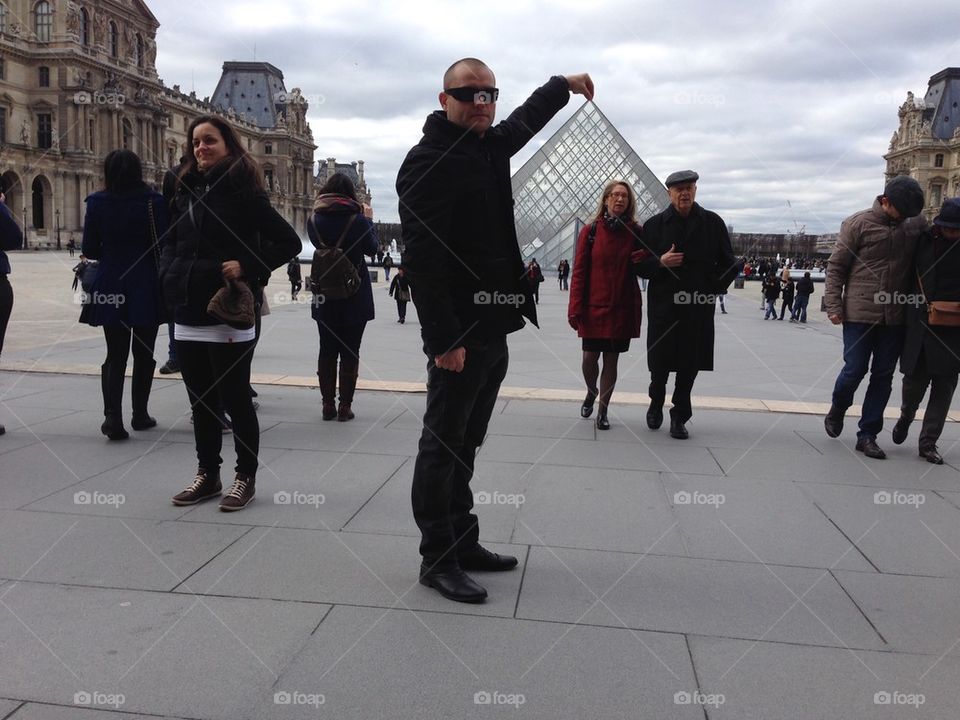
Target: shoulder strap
x,y
313,221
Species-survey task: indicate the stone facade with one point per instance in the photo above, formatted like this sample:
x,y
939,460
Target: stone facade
x,y
78,79
354,171
926,145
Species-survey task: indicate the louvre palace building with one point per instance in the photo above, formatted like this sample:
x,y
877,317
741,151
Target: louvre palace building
x,y
78,79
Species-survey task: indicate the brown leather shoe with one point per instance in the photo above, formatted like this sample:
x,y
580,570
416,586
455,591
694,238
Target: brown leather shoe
x,y
931,455
869,447
240,495
205,485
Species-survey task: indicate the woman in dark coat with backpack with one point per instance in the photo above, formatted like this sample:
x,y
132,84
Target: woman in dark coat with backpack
x,y
122,228
339,217
606,304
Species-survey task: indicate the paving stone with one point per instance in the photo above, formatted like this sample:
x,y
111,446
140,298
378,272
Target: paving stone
x,y
704,597
370,664
343,568
580,453
909,532
913,614
598,510
7,707
786,682
514,425
756,521
149,647
36,711
106,552
303,489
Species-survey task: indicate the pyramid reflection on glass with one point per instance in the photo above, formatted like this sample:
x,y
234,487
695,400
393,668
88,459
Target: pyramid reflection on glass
x,y
558,189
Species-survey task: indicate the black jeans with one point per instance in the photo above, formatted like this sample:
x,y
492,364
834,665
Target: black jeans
x,y
682,387
341,340
459,406
6,306
212,371
402,309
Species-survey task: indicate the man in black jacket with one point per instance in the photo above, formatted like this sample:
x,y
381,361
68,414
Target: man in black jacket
x,y
469,287
691,262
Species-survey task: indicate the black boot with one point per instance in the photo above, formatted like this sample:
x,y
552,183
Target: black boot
x,y
349,370
327,376
833,422
111,383
602,422
900,429
140,389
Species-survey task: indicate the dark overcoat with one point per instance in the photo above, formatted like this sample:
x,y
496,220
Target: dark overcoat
x,y
935,349
681,300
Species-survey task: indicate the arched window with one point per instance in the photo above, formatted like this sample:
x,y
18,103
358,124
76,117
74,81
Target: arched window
x,y
3,18
141,51
84,27
38,204
114,40
43,21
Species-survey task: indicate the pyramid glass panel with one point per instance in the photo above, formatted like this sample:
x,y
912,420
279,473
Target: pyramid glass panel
x,y
557,190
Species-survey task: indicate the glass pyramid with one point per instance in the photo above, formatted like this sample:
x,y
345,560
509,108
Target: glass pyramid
x,y
558,189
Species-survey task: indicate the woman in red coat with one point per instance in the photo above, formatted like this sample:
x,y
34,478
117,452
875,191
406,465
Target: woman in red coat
x,y
605,299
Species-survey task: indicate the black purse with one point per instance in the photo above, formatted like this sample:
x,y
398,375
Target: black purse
x,y
85,274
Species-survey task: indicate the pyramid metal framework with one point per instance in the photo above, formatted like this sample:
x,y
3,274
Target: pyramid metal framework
x,y
558,189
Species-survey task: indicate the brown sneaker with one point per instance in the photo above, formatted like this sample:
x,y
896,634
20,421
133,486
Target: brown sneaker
x,y
242,492
205,486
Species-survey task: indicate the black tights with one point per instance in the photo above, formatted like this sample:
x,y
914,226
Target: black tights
x,y
608,376
119,344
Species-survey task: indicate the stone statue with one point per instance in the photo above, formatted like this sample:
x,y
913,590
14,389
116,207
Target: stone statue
x,y
100,29
26,130
73,19
54,137
281,121
894,140
151,52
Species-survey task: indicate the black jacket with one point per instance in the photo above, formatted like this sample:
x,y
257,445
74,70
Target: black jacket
x,y
805,286
681,300
456,212
926,348
217,217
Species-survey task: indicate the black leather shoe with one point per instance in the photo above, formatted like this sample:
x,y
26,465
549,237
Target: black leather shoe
x,y
931,455
479,558
869,447
677,430
454,584
586,410
655,417
833,422
602,422
900,431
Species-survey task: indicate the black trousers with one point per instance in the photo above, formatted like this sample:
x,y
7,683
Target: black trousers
x,y
341,341
942,388
215,371
6,306
402,309
459,406
121,339
682,387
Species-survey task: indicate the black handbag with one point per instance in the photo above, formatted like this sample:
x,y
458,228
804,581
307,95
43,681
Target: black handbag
x,y
84,275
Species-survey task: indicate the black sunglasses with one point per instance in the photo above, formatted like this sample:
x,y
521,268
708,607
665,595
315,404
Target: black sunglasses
x,y
478,95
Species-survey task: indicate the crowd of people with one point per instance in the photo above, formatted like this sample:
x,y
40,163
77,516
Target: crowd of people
x,y
198,256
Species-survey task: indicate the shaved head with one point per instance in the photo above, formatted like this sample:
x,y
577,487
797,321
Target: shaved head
x,y
471,63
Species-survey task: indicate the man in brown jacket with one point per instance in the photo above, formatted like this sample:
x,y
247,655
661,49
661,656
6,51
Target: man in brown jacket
x,y
867,275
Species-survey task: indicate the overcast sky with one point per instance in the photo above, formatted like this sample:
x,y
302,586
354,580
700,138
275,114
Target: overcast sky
x,y
770,103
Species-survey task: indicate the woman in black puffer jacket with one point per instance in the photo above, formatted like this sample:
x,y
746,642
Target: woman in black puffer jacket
x,y
223,228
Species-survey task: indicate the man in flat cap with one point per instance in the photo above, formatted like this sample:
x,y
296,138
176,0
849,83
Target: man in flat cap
x,y
691,262
868,273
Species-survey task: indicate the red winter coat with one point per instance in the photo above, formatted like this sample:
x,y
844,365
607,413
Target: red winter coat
x,y
615,304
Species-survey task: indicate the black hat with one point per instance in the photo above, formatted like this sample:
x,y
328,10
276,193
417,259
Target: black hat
x,y
949,216
681,177
905,195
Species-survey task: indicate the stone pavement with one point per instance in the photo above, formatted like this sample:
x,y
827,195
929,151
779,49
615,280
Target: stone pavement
x,y
758,570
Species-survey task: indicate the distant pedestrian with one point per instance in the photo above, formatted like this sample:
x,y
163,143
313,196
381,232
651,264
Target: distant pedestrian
x,y
723,307
563,270
771,291
387,265
871,262
931,351
534,278
787,291
400,291
295,276
71,246
804,290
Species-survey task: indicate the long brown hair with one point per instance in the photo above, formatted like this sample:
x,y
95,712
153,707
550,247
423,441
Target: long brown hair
x,y
242,161
630,214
